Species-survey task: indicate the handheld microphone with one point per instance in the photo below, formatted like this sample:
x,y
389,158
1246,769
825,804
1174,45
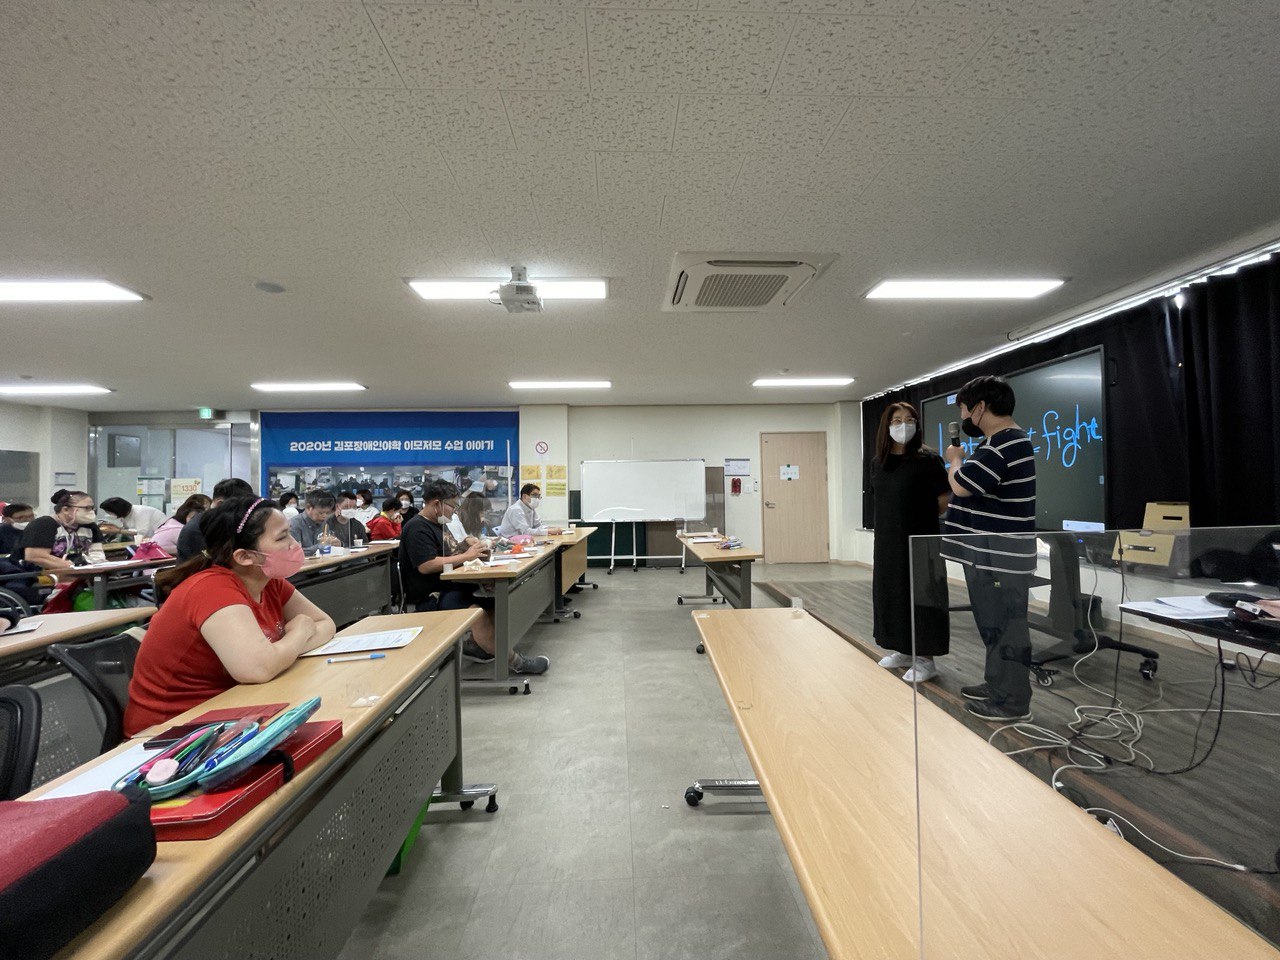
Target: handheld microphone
x,y
953,428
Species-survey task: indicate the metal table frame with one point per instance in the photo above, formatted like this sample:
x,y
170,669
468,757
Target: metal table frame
x,y
361,586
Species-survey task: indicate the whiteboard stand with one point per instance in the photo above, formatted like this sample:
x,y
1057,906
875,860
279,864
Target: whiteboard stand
x,y
634,557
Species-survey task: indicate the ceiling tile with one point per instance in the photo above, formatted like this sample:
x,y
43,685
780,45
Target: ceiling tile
x,y
579,122
843,7
418,119
274,43
1100,10
764,176
918,124
525,173
898,56
634,215
674,174
638,52
1060,59
464,48
757,124
770,223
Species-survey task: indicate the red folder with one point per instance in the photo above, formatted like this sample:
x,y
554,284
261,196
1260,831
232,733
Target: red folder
x,y
199,816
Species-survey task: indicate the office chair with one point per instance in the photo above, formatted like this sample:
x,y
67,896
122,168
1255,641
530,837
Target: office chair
x,y
19,739
104,667
1070,618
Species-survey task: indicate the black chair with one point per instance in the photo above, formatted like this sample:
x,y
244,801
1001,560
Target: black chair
x,y
104,667
19,739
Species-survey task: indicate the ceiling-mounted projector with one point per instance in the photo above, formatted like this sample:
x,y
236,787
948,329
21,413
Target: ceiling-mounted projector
x,y
518,295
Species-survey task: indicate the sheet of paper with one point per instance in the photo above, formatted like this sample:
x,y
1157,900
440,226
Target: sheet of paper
x,y
26,626
1144,607
501,562
359,642
704,539
109,565
1193,605
104,773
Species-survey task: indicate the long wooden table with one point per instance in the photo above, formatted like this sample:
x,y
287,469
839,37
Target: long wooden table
x,y
292,877
1007,867
571,563
18,648
350,585
523,592
728,571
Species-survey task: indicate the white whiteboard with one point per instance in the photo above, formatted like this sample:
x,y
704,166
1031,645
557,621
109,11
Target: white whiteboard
x,y
621,490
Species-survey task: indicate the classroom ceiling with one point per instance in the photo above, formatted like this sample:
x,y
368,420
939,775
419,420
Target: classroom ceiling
x,y
190,149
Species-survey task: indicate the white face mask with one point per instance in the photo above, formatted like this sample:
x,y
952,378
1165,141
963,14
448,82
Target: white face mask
x,y
20,525
902,432
534,501
85,517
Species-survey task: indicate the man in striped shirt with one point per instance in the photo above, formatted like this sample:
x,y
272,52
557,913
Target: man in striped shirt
x,y
991,522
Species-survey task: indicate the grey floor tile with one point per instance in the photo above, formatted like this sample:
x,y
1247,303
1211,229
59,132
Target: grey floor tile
x,y
661,763
452,848
401,926
561,837
570,765
672,839
720,918
552,921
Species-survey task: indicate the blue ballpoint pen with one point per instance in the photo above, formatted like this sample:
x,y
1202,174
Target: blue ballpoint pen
x,y
226,751
354,657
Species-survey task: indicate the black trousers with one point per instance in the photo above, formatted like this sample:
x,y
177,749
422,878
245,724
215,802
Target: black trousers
x,y
999,602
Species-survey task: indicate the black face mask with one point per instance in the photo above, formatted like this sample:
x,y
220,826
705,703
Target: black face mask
x,y
970,428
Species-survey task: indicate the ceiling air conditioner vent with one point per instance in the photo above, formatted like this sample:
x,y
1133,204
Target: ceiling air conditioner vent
x,y
718,282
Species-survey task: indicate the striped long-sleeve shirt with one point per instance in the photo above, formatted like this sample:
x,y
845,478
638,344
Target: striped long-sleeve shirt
x,y
1002,477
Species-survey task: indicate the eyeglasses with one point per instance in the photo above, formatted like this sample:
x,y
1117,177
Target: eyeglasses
x,y
451,504
896,422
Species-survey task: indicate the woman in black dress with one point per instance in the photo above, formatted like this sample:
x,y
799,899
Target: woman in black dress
x,y
909,483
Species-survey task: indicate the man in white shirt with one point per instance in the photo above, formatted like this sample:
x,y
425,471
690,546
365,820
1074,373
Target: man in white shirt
x,y
141,519
522,516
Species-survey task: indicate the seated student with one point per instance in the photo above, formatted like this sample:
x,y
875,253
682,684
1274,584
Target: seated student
x,y
343,523
365,511
407,510
471,514
69,537
522,516
422,560
166,535
386,525
314,526
142,520
228,616
289,504
14,518
191,539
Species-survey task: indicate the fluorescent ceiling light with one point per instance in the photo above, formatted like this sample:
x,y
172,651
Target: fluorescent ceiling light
x,y
336,387
961,289
802,382
560,384
593,289
62,291
50,390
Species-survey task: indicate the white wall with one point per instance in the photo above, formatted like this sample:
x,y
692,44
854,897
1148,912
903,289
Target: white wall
x,y
714,433
60,437
546,424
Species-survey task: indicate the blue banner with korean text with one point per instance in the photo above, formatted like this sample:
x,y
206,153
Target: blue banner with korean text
x,y
387,449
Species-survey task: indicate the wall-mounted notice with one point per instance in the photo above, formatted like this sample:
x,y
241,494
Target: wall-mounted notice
x,y
530,472
557,471
789,471
556,488
63,479
737,466
182,487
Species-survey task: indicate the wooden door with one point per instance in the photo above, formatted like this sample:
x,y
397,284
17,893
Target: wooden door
x,y
794,497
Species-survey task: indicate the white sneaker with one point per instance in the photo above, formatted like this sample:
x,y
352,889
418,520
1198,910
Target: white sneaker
x,y
922,671
895,661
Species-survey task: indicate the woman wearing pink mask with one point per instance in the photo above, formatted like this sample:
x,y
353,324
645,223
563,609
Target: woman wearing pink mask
x,y
229,615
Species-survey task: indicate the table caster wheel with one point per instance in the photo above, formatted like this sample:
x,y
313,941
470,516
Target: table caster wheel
x,y
682,571
700,648
492,805
513,690
609,573
693,796
1148,669
680,601
595,586
1044,679
527,689
577,614
466,804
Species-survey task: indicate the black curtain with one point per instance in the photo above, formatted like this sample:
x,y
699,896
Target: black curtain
x,y
1149,456
1231,327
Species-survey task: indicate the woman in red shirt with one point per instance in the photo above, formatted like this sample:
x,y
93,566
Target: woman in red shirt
x,y
229,615
386,525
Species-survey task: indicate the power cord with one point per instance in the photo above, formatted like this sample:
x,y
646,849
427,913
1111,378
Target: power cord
x,y
1190,858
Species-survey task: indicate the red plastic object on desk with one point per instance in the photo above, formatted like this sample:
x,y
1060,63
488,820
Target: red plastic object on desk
x,y
199,816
